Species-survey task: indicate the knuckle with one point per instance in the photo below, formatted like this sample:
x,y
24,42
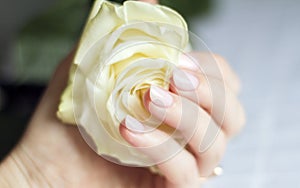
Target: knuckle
x,y
238,122
211,157
185,178
242,119
216,150
220,59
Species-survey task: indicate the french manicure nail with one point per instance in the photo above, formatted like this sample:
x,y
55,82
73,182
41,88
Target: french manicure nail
x,y
160,97
184,80
133,125
187,61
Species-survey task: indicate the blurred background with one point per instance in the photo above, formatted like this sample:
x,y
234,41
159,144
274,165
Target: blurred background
x,y
259,38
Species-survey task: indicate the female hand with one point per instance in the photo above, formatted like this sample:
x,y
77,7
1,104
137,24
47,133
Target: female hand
x,y
52,154
202,105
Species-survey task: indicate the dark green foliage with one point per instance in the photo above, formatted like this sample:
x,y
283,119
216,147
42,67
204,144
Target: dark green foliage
x,y
45,40
185,7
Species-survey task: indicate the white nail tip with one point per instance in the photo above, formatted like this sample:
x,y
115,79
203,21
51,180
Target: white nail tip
x,y
133,124
160,97
184,80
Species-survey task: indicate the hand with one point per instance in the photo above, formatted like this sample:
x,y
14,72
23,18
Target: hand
x,y
52,154
190,108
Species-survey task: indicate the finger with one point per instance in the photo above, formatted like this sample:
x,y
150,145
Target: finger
x,y
213,95
211,65
204,137
154,145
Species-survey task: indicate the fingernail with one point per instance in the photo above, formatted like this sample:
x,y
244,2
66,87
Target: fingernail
x,y
160,97
187,61
184,80
133,125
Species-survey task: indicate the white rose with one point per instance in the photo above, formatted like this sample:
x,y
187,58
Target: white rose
x,y
123,50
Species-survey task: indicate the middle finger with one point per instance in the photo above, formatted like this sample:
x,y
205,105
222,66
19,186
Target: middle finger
x,y
213,95
205,139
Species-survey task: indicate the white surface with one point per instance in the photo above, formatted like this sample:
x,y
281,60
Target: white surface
x,y
261,40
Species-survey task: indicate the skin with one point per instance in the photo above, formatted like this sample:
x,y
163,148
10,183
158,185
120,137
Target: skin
x,y
52,154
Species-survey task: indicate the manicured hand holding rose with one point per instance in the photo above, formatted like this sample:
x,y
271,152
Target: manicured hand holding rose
x,y
124,49
52,154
